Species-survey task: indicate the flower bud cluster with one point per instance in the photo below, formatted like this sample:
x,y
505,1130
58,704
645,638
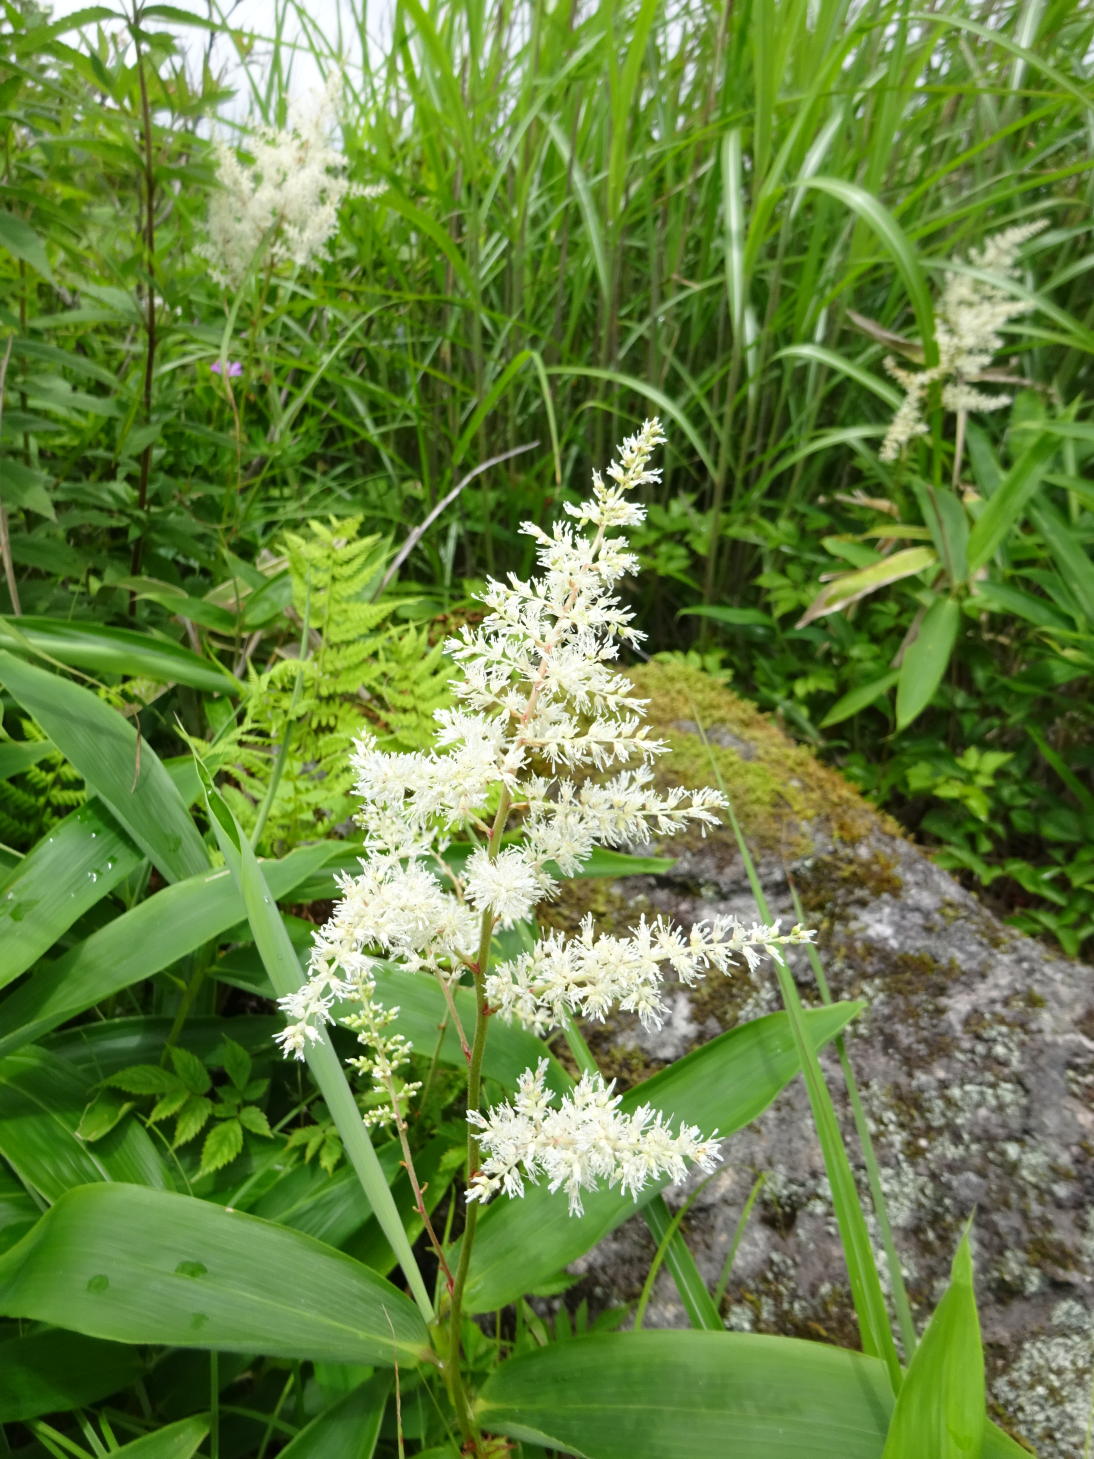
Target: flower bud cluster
x,y
582,1141
971,313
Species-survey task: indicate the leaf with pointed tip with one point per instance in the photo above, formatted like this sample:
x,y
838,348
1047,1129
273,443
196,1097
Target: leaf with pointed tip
x,y
691,1395
102,745
143,1266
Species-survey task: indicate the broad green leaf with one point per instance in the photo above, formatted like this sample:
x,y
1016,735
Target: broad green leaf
x,y
328,1207
21,241
1008,501
17,756
174,1441
143,1266
103,747
1003,598
52,1372
18,1209
855,699
694,1395
117,651
925,659
26,487
41,1103
77,863
348,1429
731,617
849,587
940,1407
723,1085
284,971
153,936
948,521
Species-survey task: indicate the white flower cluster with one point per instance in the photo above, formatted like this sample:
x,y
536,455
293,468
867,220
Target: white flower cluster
x,y
589,975
540,700
287,198
971,313
582,1141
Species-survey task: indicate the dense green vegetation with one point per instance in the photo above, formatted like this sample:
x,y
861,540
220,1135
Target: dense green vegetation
x,y
242,507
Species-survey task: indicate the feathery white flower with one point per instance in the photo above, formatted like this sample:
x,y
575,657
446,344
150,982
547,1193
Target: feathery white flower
x,y
581,1142
970,316
287,198
588,974
540,698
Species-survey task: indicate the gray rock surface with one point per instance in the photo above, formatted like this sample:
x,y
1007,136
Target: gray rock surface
x,y
975,1061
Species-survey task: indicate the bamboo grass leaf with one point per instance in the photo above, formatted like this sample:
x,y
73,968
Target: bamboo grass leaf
x,y
153,936
692,1395
129,777
54,1371
283,967
118,651
143,1266
926,658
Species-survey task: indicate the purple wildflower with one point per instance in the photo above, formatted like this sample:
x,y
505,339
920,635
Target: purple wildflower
x,y
234,368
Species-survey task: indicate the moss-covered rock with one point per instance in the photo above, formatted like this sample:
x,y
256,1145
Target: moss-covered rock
x,y
975,1061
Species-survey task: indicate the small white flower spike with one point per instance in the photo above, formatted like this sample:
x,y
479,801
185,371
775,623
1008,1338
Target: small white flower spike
x,y
970,315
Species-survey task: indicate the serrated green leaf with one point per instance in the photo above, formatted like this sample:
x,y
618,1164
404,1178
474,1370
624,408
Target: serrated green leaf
x,y
190,1070
193,1116
236,1062
253,1119
25,487
167,1106
21,241
222,1144
144,1079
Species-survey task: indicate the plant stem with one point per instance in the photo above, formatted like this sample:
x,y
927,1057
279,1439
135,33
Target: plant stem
x,y
148,238
474,1098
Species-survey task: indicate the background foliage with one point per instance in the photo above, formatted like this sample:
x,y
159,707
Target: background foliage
x,y
570,216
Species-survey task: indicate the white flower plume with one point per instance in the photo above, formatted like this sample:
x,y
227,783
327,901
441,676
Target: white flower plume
x,y
287,198
589,975
545,758
970,316
581,1142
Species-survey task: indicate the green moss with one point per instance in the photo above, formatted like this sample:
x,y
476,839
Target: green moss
x,y
715,738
